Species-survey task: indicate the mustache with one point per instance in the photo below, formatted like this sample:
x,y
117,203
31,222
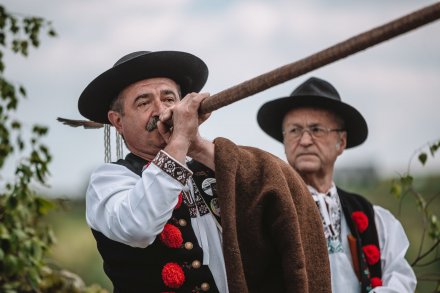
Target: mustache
x,y
152,123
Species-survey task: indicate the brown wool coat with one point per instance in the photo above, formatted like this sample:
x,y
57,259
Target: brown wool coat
x,y
272,232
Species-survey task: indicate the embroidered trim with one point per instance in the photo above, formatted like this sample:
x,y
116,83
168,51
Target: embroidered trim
x,y
172,167
189,202
201,205
196,205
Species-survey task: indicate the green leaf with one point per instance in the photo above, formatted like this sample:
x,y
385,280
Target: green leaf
x,y
19,234
44,205
4,232
34,277
15,124
11,264
433,148
423,157
52,33
2,38
396,189
22,91
406,181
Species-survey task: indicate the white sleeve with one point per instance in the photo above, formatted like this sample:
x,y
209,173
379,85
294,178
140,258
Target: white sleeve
x,y
397,274
132,209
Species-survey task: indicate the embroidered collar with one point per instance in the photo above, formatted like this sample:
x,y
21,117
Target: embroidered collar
x,y
330,209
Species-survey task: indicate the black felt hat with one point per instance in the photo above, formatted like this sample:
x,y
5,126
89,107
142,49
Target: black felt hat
x,y
187,70
316,93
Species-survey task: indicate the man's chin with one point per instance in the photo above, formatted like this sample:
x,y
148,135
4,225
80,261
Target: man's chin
x,y
306,167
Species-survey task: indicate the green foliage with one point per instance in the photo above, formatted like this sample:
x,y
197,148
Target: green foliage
x,y
25,238
429,245
17,34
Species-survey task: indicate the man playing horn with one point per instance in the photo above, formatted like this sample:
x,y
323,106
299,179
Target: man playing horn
x,y
230,219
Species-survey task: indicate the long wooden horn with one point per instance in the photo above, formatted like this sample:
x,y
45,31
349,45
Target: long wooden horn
x,y
324,57
341,50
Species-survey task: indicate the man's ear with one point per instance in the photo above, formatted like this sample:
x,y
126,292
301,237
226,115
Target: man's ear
x,y
342,143
115,119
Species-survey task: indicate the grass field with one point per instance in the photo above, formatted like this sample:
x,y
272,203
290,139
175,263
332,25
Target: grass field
x,y
75,249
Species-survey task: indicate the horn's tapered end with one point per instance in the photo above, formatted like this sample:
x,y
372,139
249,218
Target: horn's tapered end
x,y
87,124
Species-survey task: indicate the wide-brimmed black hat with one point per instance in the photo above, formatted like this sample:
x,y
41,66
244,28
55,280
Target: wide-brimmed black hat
x,y
316,93
187,70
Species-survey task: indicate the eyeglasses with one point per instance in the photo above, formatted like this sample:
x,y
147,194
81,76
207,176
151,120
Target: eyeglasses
x,y
296,132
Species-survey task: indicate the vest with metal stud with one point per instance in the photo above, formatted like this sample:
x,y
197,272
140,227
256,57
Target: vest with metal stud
x,y
172,263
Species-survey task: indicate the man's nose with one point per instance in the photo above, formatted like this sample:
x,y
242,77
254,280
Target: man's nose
x,y
158,107
306,138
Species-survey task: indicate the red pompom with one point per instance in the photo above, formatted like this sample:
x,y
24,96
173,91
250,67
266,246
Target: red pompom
x,y
361,220
179,201
171,236
376,282
372,253
173,275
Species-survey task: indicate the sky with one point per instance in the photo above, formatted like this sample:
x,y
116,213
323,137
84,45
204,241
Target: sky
x,y
395,84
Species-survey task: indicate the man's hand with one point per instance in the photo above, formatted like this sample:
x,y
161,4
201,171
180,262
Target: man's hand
x,y
183,137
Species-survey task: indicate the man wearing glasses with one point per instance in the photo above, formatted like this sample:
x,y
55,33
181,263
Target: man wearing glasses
x,y
366,244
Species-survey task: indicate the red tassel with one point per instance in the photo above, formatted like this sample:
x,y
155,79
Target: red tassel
x,y
171,236
173,275
376,282
372,253
361,221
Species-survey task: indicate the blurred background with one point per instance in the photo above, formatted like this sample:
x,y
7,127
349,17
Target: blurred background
x,y
395,85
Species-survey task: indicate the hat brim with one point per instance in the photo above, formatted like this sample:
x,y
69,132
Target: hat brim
x,y
187,70
271,114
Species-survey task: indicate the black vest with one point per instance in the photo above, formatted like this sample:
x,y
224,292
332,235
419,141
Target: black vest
x,y
352,203
133,270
